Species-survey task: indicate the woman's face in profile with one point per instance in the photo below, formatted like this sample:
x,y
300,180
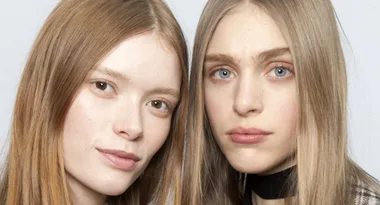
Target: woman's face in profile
x,y
250,91
121,115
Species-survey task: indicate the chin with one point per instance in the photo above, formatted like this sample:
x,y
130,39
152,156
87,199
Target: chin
x,y
258,165
249,168
113,190
251,162
113,187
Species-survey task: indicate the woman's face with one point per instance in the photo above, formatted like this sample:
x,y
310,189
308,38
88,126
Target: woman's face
x,y
250,92
121,116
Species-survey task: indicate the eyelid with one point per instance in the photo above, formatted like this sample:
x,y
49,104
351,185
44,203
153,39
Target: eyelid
x,y
169,105
215,75
113,85
280,63
285,65
270,72
220,67
208,67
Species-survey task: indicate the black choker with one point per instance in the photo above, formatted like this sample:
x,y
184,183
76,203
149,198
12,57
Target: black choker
x,y
274,186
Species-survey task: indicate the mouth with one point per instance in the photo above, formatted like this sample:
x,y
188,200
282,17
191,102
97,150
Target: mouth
x,y
252,135
120,159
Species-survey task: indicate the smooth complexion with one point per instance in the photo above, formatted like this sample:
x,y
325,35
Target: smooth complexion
x,y
250,92
120,117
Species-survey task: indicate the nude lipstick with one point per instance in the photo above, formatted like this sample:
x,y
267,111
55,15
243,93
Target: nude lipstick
x,y
247,135
120,159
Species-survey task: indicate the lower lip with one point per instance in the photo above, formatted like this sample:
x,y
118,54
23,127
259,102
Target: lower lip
x,y
247,138
120,163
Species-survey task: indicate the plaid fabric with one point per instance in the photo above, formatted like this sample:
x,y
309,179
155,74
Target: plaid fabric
x,y
362,195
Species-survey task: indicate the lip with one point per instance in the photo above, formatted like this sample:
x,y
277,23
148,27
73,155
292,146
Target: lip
x,y
247,135
120,159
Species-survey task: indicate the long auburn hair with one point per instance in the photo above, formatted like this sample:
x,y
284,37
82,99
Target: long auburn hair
x,y
75,37
325,174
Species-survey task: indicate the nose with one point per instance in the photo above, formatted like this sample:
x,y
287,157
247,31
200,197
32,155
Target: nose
x,y
248,96
128,120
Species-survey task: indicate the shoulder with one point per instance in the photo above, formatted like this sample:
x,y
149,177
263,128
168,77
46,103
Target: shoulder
x,y
364,195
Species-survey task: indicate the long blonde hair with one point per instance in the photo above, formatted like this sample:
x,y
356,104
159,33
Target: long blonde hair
x,y
325,174
74,38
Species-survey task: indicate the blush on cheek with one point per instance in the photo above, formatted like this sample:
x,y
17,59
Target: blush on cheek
x,y
290,111
211,110
286,116
157,135
216,116
211,101
283,104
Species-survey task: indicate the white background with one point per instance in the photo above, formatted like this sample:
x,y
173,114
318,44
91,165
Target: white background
x,y
21,20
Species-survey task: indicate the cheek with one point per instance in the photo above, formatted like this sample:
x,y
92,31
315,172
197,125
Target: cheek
x,y
284,108
85,121
213,109
157,131
287,110
76,123
217,104
76,139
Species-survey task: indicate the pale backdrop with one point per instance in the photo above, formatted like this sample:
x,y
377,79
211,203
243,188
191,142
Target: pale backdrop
x,y
21,20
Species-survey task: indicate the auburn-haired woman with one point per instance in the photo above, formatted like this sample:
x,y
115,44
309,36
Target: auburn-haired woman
x,y
100,110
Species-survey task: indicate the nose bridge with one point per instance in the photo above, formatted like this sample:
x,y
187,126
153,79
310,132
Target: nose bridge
x,y
129,119
249,91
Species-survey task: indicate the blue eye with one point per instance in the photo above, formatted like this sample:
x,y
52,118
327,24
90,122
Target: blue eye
x,y
222,74
280,72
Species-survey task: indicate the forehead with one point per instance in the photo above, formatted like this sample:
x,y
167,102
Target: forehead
x,y
246,28
145,59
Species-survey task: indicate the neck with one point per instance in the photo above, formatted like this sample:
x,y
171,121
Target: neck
x,y
260,201
271,189
81,194
291,161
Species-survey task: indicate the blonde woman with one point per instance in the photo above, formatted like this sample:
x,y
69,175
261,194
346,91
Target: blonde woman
x,y
99,111
268,122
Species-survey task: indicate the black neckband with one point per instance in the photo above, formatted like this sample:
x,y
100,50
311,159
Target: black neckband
x,y
274,186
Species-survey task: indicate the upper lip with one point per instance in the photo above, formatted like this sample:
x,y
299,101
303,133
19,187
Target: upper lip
x,y
248,131
121,154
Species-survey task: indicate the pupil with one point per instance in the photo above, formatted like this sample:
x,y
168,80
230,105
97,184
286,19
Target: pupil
x,y
157,104
280,72
101,85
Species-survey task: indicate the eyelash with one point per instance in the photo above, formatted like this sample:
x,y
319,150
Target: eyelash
x,y
221,68
167,104
289,70
108,85
231,74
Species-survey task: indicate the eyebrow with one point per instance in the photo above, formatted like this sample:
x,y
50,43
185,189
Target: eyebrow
x,y
223,58
166,91
112,73
263,56
272,53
